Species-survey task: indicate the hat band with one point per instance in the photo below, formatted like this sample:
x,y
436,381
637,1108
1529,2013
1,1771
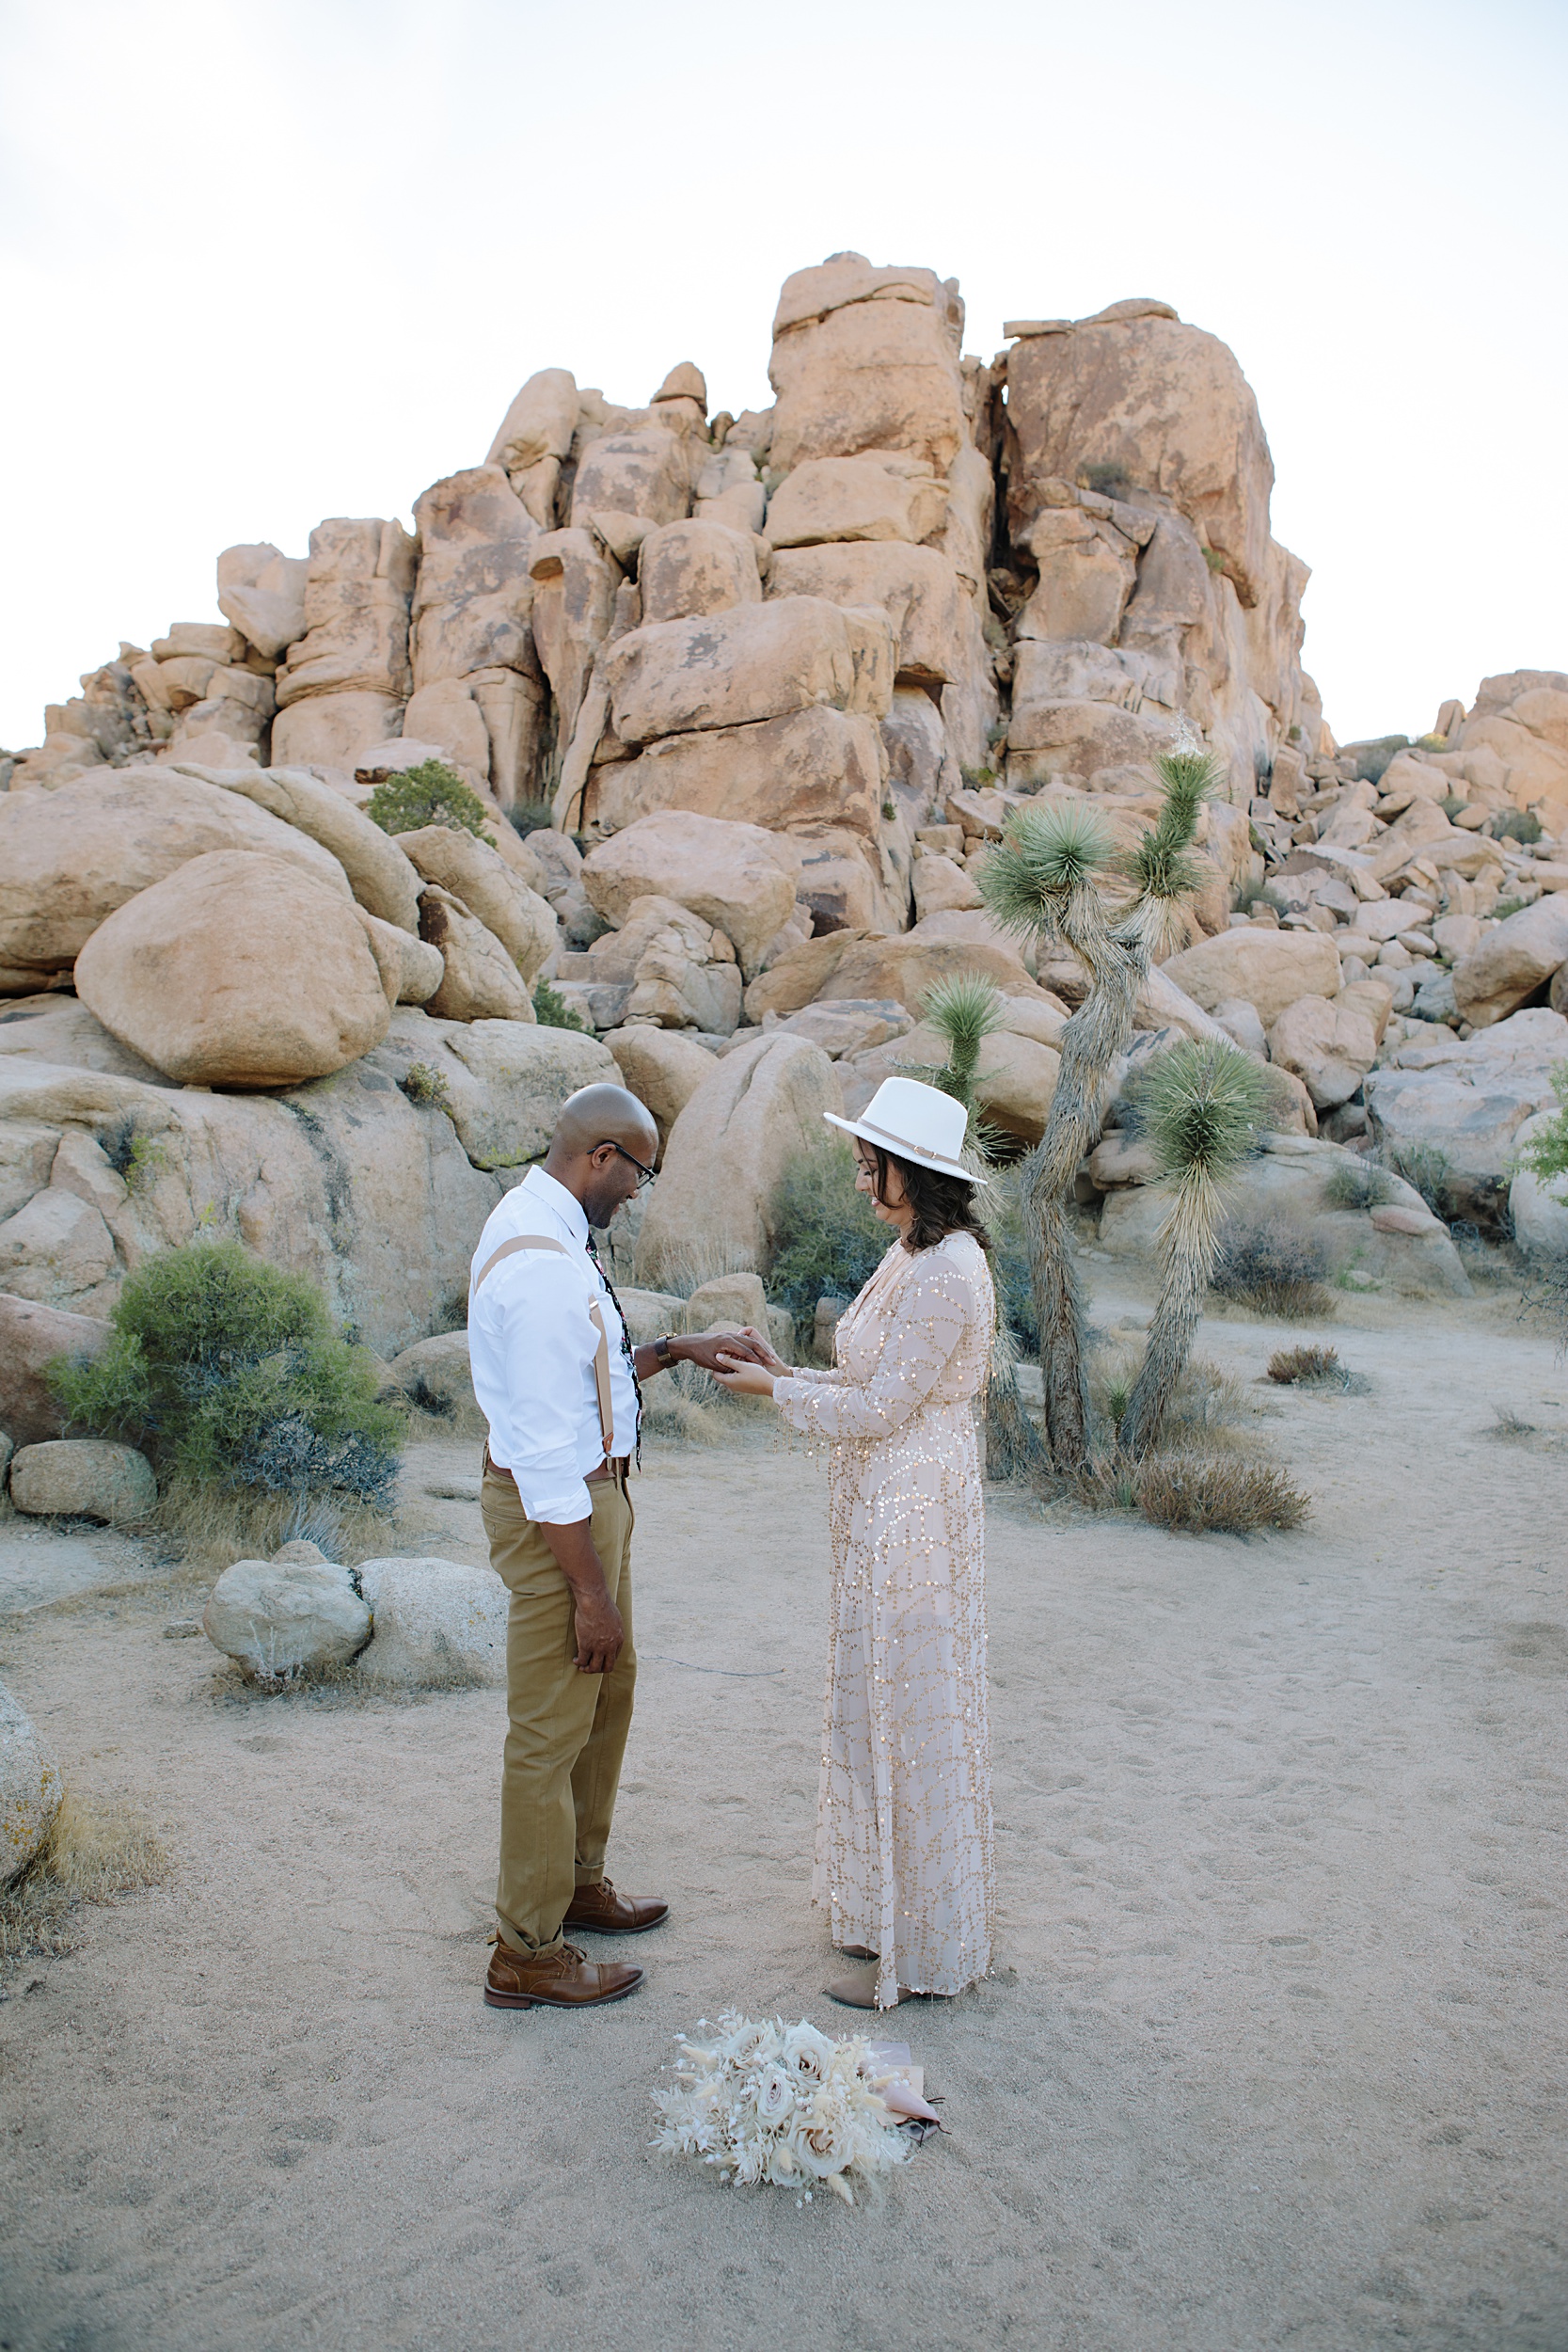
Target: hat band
x,y
915,1151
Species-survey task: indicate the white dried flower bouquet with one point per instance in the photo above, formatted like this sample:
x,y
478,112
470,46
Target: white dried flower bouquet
x,y
766,2102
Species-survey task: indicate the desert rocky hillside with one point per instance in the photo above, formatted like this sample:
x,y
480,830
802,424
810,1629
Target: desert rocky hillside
x,y
748,698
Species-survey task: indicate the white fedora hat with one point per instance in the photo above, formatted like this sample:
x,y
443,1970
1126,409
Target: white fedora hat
x,y
915,1121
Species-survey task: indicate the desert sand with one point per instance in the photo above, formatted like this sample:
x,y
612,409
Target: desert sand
x,y
1273,2052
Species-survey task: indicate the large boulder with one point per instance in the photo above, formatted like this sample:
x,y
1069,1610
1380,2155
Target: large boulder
x,y
284,1617
472,594
714,1206
237,970
866,358
471,870
337,731
1330,1047
536,435
1538,1211
70,857
379,874
32,1337
916,587
642,473
501,1084
481,980
437,1375
908,965
683,973
1014,1082
262,592
84,1478
752,662
1459,1104
1135,389
1513,961
30,1790
1289,1183
437,1625
684,569
356,591
796,976
816,767
1266,969
738,877
878,495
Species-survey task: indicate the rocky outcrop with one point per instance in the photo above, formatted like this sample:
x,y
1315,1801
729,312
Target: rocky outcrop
x,y
436,1624
740,878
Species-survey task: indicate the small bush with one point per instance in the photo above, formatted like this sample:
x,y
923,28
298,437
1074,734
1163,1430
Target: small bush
x,y
230,1373
977,778
430,794
1516,824
1110,480
1546,1155
1426,1167
1258,894
1273,1266
827,1243
530,817
135,1157
425,1086
1306,1366
1505,907
1197,1497
1357,1185
552,1011
1214,560
1509,1425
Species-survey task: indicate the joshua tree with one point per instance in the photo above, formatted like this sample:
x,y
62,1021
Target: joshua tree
x,y
1199,1107
964,1011
1047,879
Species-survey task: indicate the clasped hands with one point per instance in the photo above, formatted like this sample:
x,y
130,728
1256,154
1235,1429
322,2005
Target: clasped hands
x,y
746,1370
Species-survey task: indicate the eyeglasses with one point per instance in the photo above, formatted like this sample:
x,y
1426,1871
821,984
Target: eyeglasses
x,y
645,1175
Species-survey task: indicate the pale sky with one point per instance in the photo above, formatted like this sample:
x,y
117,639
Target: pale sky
x,y
268,263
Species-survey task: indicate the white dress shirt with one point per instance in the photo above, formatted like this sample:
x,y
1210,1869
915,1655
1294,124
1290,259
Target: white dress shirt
x,y
531,1343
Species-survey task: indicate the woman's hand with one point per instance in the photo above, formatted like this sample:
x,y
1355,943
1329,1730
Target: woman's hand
x,y
742,1379
764,1348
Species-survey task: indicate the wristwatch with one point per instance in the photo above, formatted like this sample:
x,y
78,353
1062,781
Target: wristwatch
x,y
665,1348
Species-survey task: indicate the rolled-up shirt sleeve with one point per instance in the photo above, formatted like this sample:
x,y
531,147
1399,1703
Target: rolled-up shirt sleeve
x,y
530,1379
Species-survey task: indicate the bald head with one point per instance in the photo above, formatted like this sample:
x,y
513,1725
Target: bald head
x,y
605,1114
602,1140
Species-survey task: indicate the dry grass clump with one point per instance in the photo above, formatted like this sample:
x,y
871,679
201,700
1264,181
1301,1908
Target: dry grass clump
x,y
1274,1266
1509,1425
211,1527
1306,1366
96,1849
1222,1495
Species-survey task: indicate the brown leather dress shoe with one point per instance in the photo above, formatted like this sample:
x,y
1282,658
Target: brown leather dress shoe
x,y
602,1912
558,1979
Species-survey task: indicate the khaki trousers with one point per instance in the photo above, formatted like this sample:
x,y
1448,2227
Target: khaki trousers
x,y
567,1731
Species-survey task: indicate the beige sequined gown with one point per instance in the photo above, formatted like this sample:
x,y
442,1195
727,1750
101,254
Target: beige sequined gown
x,y
905,1860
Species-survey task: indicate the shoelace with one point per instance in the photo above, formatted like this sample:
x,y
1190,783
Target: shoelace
x,y
625,1346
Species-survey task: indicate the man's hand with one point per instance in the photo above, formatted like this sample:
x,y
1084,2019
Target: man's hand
x,y
596,1621
702,1352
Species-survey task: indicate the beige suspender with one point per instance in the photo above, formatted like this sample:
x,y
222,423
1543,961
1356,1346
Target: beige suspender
x,y
601,1354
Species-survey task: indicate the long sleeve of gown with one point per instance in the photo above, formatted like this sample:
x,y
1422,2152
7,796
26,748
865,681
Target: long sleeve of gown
x,y
927,1321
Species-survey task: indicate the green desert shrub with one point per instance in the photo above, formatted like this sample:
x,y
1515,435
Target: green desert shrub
x,y
430,794
1272,1265
552,1011
230,1373
425,1086
827,1243
1426,1167
1545,1156
1515,824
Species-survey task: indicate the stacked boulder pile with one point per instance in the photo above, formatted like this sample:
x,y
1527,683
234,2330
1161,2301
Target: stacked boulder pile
x,y
748,700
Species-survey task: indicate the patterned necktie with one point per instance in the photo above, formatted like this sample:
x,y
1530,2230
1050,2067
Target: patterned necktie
x,y
626,1345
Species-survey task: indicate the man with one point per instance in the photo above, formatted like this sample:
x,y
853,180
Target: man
x,y
557,1380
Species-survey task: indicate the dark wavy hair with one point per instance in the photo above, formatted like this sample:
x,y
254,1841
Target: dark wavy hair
x,y
942,1204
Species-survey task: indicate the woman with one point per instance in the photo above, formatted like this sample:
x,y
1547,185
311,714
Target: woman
x,y
905,1862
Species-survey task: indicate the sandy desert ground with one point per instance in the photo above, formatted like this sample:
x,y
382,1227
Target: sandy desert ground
x,y
1275,2050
